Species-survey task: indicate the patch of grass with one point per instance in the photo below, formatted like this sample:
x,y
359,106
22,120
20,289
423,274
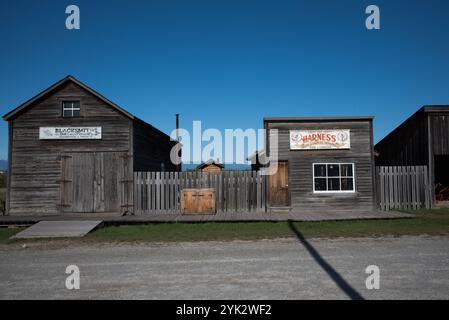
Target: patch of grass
x,y
5,233
426,222
173,232
430,222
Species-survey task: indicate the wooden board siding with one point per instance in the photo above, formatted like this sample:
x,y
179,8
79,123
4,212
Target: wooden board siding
x,y
407,145
440,133
301,165
36,165
151,149
413,143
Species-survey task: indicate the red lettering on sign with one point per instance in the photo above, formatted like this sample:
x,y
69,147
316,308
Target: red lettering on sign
x,y
319,137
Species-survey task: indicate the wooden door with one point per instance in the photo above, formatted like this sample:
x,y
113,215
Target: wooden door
x,y
113,181
206,201
94,182
201,201
278,186
83,166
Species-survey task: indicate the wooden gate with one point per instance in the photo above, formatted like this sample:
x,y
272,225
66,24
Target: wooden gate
x,y
96,182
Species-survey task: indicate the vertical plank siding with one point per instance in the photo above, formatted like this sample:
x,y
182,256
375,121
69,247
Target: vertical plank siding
x,y
160,192
403,187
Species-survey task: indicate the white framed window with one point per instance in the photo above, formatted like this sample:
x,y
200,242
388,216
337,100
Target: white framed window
x,y
71,109
333,177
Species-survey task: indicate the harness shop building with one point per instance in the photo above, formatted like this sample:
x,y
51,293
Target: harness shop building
x,y
324,164
73,150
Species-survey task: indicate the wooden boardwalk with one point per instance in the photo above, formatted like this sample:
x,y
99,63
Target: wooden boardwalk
x,y
219,217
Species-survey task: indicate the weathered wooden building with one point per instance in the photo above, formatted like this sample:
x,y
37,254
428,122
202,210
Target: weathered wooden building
x,y
422,139
324,164
73,150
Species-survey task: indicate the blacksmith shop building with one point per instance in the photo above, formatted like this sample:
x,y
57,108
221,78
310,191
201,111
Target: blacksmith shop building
x,y
73,150
325,164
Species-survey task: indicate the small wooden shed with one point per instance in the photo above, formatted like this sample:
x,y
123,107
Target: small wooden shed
x,y
210,166
73,150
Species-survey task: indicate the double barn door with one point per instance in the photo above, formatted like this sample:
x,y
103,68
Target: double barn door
x,y
95,182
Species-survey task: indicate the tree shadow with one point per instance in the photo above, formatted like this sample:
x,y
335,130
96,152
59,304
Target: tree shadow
x,y
335,276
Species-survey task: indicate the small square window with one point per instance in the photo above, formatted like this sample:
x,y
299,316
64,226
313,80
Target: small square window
x,y
71,109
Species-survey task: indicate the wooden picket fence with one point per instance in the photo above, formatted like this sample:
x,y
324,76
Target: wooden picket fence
x,y
403,187
160,192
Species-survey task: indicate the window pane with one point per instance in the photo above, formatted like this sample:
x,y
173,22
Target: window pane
x,y
347,184
67,113
320,184
333,184
320,170
346,170
71,109
333,170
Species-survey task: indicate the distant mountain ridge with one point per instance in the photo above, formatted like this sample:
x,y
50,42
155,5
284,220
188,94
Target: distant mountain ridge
x,y
3,165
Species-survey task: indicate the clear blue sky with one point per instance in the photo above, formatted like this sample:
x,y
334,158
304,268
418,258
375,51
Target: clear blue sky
x,y
230,63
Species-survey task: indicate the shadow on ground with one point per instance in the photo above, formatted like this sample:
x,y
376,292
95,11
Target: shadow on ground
x,y
335,276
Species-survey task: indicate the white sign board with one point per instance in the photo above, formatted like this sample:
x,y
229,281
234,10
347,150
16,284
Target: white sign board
x,y
319,139
75,133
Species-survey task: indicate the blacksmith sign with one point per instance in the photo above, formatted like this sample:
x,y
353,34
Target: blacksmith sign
x,y
73,133
319,139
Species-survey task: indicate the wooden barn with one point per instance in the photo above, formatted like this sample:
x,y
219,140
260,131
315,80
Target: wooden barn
x,y
325,164
71,150
421,140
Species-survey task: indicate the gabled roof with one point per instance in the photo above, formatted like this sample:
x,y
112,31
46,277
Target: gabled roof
x,y
24,107
28,104
209,162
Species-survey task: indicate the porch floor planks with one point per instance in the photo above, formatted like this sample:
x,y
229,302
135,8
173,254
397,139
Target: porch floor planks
x,y
222,216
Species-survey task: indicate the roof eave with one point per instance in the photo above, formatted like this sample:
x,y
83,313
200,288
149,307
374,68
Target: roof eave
x,y
327,119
